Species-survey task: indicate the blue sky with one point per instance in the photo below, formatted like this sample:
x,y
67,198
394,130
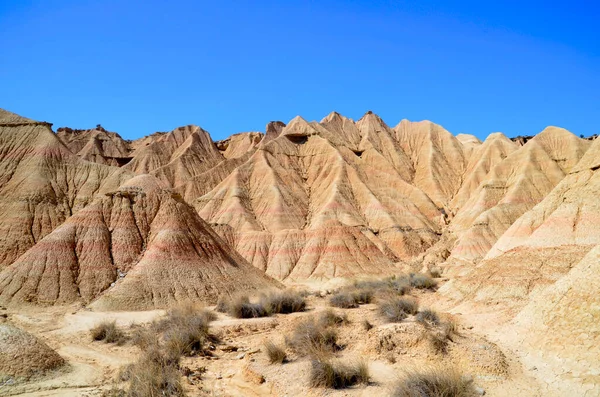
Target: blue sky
x,y
138,67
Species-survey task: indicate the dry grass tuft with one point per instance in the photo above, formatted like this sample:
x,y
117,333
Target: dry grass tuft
x,y
275,353
154,375
108,332
435,382
310,338
338,375
438,341
428,318
328,318
397,309
276,302
422,281
283,302
367,326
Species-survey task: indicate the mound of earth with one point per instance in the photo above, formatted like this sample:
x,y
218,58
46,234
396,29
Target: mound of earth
x,y
97,145
22,355
138,247
42,183
325,200
512,187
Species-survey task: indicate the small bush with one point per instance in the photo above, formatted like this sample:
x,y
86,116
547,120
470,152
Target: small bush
x,y
283,302
428,318
338,375
329,318
438,342
450,328
275,353
397,309
422,281
311,338
241,307
222,304
154,375
185,330
343,300
108,332
435,272
435,382
367,326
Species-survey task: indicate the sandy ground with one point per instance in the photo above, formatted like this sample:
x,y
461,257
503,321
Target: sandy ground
x,y
239,367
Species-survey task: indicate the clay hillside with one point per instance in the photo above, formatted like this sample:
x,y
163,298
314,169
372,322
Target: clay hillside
x,y
508,227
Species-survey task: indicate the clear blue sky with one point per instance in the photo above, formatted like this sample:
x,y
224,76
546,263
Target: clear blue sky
x,y
229,66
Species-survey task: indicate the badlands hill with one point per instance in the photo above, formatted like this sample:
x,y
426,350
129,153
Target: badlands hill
x,y
138,247
89,217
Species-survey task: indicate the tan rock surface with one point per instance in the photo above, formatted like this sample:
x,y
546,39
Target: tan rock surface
x,y
41,184
97,145
511,188
325,200
138,247
24,355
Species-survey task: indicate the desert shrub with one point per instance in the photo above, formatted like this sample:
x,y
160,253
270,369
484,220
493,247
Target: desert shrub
x,y
154,375
435,382
422,281
185,330
435,272
337,375
275,353
222,304
311,338
428,318
343,300
400,285
450,328
397,309
241,307
351,297
108,332
329,318
283,302
438,341
367,326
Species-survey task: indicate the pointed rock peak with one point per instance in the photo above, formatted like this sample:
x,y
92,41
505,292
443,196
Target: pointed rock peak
x,y
7,117
333,116
468,139
497,136
555,132
274,129
372,119
298,127
143,183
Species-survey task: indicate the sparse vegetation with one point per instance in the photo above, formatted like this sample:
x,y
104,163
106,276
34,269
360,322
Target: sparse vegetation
x,y
338,375
367,326
351,297
283,302
343,300
329,318
154,374
108,332
275,353
438,341
277,302
314,339
422,281
435,382
428,318
397,309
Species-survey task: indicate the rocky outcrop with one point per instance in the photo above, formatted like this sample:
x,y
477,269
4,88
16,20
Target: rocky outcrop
x,y
511,188
41,184
97,145
22,355
138,247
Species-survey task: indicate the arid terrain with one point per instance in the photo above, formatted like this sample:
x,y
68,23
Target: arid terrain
x,y
340,257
